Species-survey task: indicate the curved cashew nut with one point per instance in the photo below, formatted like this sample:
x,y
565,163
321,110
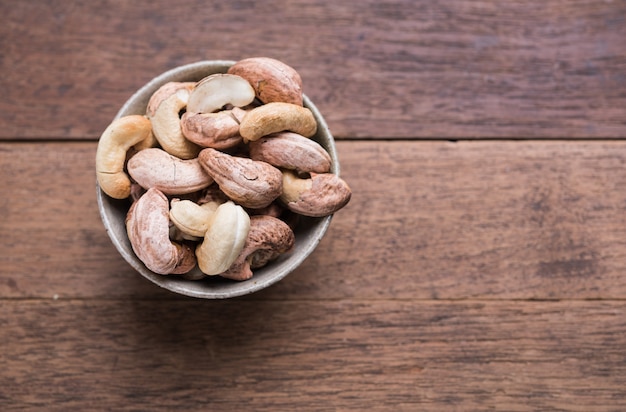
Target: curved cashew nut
x,y
217,130
248,182
277,117
191,218
148,143
320,195
217,90
163,111
163,93
117,138
272,80
288,150
267,239
147,225
224,239
155,167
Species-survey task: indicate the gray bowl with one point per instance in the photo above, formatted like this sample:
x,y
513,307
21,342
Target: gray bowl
x,y
308,231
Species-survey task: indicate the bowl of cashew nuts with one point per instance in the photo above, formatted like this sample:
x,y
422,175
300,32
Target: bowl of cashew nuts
x,y
218,178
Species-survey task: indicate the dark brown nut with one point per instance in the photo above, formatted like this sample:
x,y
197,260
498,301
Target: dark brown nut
x,y
173,176
288,150
218,130
148,229
320,195
267,239
247,182
271,79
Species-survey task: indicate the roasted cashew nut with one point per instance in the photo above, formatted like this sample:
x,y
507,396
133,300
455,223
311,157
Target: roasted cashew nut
x,y
320,195
155,167
218,90
288,150
164,110
217,130
247,182
191,218
277,117
272,80
147,226
268,238
227,231
116,140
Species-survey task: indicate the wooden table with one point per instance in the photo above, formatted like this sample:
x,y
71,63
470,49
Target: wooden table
x,y
481,263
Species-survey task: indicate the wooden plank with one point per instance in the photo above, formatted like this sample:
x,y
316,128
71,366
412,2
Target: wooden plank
x,y
428,220
311,355
404,69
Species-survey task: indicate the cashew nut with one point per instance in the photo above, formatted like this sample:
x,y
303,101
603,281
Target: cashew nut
x,y
115,141
227,231
147,143
277,117
191,218
267,239
248,182
163,111
272,80
147,225
320,195
217,90
217,130
288,150
155,167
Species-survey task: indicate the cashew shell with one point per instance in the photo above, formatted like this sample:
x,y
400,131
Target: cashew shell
x,y
272,80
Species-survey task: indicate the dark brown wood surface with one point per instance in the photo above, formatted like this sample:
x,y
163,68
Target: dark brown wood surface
x,y
480,265
405,69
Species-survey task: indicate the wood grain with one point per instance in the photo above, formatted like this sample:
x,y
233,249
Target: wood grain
x,y
309,355
391,69
479,265
428,220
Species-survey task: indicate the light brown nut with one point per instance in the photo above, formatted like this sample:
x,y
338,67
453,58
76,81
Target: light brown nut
x,y
217,130
288,150
248,182
191,218
164,110
267,239
116,140
147,225
320,195
272,80
224,239
176,235
218,90
164,92
147,143
238,113
277,117
173,176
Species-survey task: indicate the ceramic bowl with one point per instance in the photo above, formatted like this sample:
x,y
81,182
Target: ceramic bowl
x,y
308,231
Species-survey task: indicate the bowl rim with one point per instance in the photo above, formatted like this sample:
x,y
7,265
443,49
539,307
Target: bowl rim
x,y
226,289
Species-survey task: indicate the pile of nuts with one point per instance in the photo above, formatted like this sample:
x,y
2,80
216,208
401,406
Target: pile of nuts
x,y
216,169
